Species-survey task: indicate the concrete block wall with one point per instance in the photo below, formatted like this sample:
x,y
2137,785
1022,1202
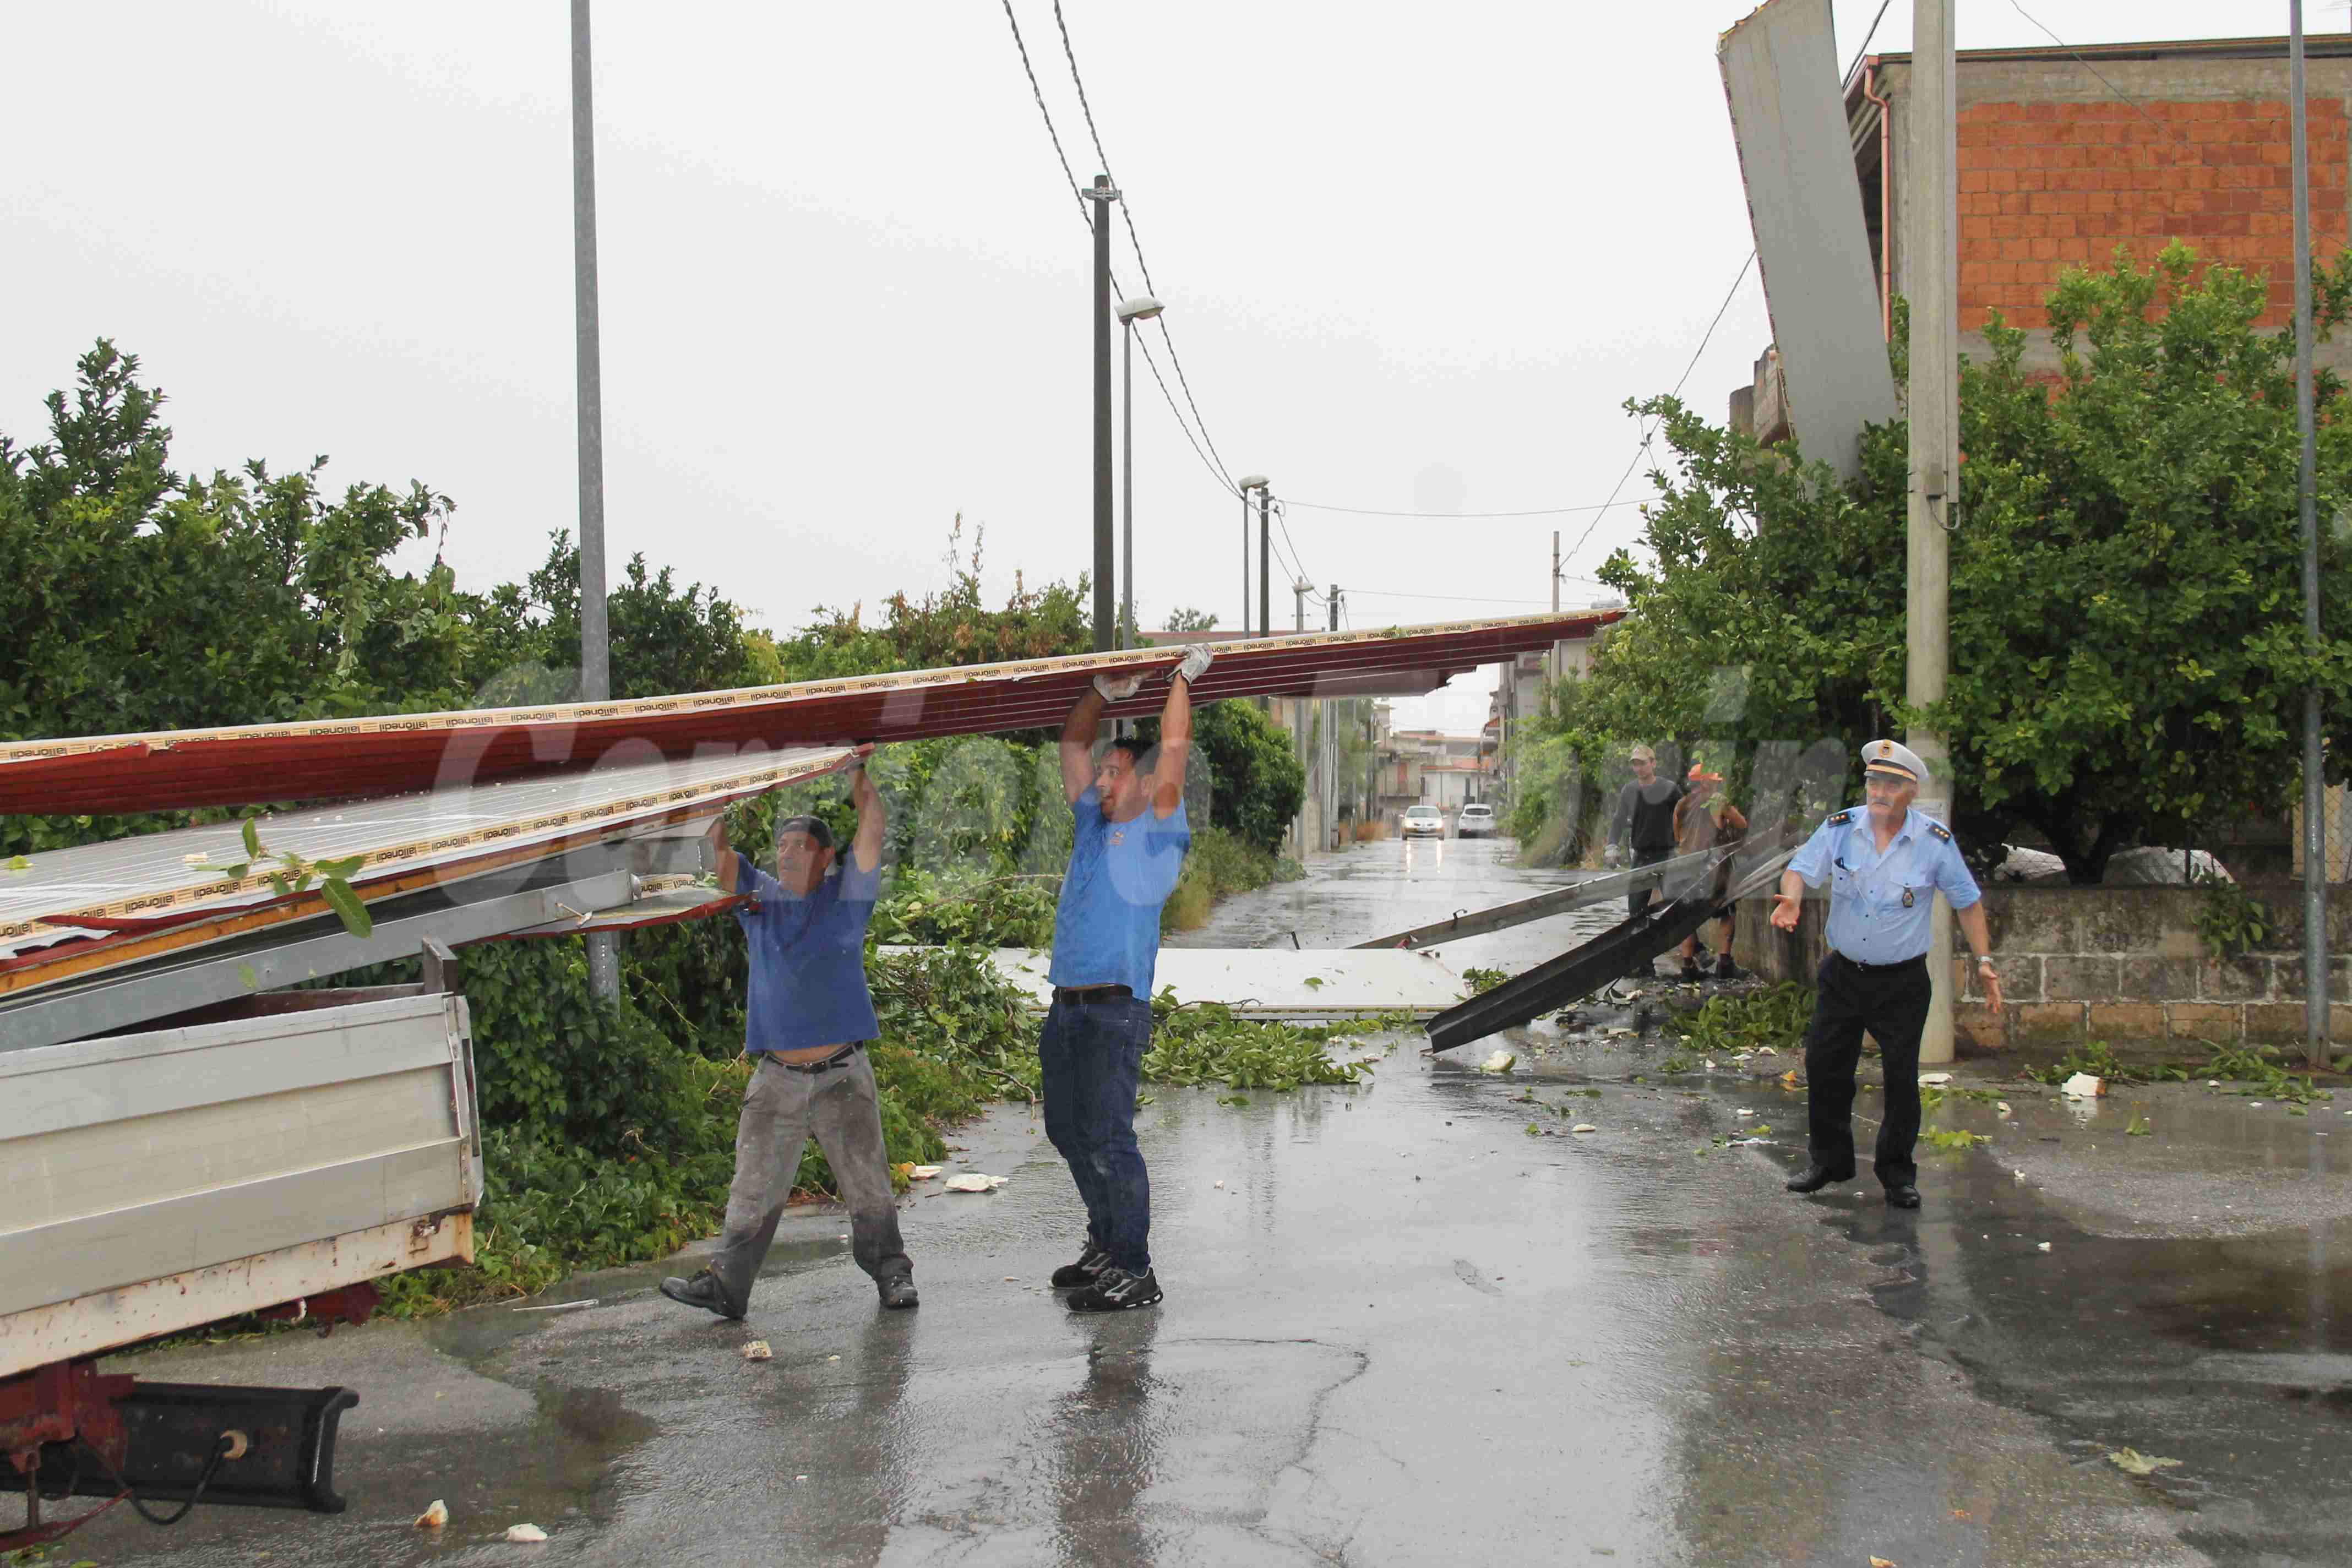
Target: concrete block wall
x,y
2044,187
2105,963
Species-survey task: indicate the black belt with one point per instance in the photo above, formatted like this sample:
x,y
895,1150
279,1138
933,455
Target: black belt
x,y
839,1058
1080,996
1877,968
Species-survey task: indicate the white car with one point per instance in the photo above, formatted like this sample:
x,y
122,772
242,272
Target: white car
x,y
1476,821
1423,822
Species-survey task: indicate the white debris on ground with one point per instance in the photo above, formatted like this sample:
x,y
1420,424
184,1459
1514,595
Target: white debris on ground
x,y
2083,1085
925,1172
1584,1127
757,1350
1501,1062
974,1181
525,1532
435,1516
1935,1079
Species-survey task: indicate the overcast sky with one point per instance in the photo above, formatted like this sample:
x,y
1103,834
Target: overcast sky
x,y
1414,258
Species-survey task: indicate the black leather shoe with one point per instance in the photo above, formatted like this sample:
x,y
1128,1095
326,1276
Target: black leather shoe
x,y
899,1292
1070,1276
1116,1290
1903,1198
1813,1178
705,1292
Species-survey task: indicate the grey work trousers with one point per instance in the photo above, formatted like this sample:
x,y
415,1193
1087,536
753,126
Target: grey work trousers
x,y
781,1109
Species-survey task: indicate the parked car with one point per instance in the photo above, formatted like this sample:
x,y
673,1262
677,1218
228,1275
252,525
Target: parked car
x,y
1475,822
1423,822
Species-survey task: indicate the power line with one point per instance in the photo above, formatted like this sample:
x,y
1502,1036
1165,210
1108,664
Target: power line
x,y
1039,92
1646,434
1373,511
1857,63
1215,468
1127,216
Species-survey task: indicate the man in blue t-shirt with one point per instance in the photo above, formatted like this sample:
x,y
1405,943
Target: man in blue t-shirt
x,y
1129,838
809,1019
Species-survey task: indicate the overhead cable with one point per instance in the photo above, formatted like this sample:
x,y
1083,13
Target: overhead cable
x,y
1126,215
1644,449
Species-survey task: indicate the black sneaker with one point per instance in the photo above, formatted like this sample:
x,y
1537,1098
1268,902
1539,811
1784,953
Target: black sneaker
x,y
1691,971
1091,1260
899,1292
1116,1290
1724,968
705,1292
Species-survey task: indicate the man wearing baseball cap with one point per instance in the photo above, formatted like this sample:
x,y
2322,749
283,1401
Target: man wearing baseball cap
x,y
1644,823
805,1029
1884,865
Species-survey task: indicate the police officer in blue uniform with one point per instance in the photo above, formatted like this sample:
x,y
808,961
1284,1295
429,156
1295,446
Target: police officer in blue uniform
x,y
1885,864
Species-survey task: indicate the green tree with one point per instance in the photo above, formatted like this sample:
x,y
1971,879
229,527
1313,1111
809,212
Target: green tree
x,y
1184,618
2127,634
142,601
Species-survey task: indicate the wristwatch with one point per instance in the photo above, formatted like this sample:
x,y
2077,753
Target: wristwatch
x,y
1984,960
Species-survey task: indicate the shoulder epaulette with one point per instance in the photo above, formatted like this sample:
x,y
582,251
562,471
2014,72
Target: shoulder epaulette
x,y
1846,816
1940,831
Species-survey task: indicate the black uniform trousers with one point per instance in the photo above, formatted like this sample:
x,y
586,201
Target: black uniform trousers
x,y
1891,1002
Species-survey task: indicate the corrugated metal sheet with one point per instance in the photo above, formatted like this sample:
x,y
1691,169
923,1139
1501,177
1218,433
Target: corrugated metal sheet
x,y
400,754
1796,158
130,885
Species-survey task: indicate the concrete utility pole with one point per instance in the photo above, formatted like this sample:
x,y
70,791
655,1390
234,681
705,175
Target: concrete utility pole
x,y
1931,240
595,666
1265,564
1555,571
2316,982
1102,196
1250,482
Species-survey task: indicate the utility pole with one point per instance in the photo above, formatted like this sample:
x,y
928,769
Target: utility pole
x,y
1250,482
1102,196
1930,240
595,656
1334,606
2316,975
1555,571
1264,565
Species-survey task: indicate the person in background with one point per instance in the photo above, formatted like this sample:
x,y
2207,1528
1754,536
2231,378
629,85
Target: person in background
x,y
1644,823
1704,818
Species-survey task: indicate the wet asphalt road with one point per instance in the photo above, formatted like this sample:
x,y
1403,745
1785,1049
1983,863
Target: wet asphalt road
x,y
1405,1331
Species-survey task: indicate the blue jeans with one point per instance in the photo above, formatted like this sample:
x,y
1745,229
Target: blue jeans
x,y
1093,1061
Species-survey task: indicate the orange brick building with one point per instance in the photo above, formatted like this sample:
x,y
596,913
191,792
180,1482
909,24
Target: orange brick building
x,y
2056,170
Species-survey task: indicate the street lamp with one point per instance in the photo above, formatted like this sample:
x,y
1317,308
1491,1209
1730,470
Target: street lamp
x,y
1142,307
1253,482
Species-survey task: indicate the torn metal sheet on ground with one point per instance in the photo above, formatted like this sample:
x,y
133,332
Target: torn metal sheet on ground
x,y
1585,968
1559,901
342,759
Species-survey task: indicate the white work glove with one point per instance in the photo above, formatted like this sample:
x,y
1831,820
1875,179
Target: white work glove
x,y
1197,660
1613,858
1118,688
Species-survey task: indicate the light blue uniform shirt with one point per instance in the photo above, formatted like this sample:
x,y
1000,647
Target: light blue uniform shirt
x,y
1870,920
1106,926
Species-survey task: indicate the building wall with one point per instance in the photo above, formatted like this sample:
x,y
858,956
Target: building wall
x,y
2056,172
2103,963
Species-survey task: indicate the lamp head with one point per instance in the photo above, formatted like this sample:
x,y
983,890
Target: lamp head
x,y
1255,482
1142,307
